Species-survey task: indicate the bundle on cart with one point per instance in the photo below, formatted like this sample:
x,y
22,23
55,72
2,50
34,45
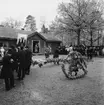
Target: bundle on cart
x,y
74,72
76,66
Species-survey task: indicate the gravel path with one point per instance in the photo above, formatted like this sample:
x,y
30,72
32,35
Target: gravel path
x,y
48,86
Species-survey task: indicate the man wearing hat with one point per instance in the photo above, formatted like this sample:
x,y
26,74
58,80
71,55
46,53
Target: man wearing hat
x,y
6,71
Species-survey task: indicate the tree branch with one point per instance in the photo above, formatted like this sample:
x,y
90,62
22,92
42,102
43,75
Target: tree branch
x,y
97,38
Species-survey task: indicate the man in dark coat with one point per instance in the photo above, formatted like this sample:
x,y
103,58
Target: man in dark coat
x,y
56,55
14,56
28,60
6,71
21,61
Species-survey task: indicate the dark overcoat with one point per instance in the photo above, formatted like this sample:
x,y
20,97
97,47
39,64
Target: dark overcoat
x,y
6,71
14,56
56,54
21,58
28,58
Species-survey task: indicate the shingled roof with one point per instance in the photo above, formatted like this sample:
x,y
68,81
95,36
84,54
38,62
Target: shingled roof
x,y
50,37
6,32
46,36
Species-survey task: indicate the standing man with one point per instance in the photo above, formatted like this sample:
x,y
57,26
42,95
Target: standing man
x,y
28,59
6,71
21,61
14,56
56,55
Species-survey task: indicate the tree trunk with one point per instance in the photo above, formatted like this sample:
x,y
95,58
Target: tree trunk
x,y
91,40
78,38
98,38
62,40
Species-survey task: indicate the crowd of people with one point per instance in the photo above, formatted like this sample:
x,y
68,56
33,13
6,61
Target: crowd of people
x,y
19,59
15,60
90,51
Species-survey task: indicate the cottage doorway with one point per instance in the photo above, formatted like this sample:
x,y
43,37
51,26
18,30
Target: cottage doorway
x,y
35,46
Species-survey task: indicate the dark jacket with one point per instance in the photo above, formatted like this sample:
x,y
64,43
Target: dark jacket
x,y
56,54
21,58
6,71
28,57
14,56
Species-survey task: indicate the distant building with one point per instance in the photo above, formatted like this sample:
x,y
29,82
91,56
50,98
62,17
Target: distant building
x,y
10,36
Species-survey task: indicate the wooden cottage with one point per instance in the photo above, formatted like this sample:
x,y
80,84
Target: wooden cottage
x,y
42,41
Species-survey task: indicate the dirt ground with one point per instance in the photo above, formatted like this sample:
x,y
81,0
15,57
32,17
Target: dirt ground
x,y
49,86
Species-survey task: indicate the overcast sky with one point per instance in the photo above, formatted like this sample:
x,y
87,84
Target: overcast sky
x,y
20,9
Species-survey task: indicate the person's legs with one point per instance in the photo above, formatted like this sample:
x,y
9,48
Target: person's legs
x,y
23,73
28,69
19,73
90,56
12,81
7,84
16,67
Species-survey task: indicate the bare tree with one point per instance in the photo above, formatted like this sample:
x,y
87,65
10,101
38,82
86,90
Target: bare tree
x,y
12,23
94,24
78,16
